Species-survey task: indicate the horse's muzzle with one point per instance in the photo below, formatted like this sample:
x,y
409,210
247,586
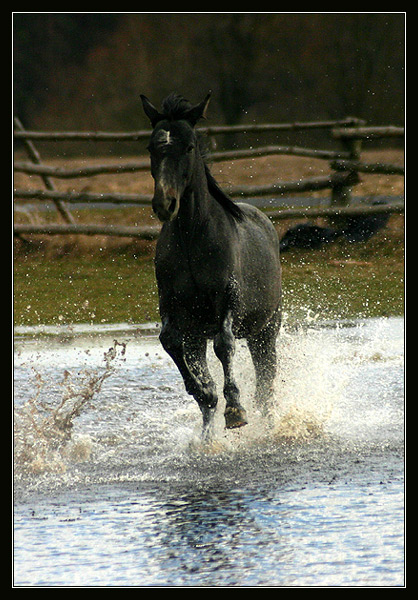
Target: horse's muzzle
x,y
166,204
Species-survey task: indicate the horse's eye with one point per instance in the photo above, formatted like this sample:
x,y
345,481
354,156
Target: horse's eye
x,y
190,148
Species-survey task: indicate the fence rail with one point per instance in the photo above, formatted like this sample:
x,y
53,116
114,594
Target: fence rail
x,y
144,233
152,232
134,136
143,165
345,164
368,133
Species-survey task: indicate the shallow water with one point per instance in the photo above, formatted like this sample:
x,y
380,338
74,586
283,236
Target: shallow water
x,y
114,486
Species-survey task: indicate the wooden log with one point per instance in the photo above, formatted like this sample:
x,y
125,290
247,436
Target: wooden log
x,y
302,185
144,233
133,136
152,232
144,165
76,197
87,171
275,150
96,136
354,165
271,127
334,211
368,133
248,191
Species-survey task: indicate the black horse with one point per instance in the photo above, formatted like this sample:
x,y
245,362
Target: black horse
x,y
217,265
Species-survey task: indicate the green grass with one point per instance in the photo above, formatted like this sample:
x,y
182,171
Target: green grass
x,y
338,281
332,291
84,289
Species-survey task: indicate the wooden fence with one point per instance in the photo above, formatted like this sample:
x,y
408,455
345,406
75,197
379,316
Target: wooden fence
x,y
345,165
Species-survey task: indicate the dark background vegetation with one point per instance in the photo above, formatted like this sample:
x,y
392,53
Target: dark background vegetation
x,y
86,70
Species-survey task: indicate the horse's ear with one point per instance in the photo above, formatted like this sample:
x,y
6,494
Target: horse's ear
x,y
149,109
198,111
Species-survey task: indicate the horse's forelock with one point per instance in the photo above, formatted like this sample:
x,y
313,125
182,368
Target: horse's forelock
x,y
175,107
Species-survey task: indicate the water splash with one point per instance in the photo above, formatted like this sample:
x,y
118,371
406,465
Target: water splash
x,y
334,388
43,432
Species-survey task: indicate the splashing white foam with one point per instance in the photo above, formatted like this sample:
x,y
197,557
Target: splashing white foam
x,y
330,384
43,432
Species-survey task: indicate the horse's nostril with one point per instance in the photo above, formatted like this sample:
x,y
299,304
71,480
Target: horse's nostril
x,y
172,205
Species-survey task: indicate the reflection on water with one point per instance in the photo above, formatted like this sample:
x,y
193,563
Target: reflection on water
x,y
129,495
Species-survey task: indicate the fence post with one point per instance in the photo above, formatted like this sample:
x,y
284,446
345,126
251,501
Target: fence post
x,y
35,158
341,194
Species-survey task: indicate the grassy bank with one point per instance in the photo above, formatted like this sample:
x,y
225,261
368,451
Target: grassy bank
x,y
344,281
85,289
341,280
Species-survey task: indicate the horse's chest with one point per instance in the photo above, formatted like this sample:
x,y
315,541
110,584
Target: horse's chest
x,y
189,289
188,286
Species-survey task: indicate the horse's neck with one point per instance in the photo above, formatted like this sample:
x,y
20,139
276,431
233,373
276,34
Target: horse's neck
x,y
195,205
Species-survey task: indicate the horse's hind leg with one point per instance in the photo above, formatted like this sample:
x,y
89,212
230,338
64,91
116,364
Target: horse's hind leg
x,y
224,346
263,352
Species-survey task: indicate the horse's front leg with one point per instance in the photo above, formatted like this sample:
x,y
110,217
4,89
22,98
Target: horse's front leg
x,y
189,355
224,346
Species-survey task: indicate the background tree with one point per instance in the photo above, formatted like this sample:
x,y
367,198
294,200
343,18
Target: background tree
x,y
87,70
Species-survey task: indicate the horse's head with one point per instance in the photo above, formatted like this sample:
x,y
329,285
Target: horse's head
x,y
173,148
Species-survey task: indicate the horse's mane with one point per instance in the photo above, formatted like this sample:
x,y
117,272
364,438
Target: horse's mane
x,y
175,108
223,199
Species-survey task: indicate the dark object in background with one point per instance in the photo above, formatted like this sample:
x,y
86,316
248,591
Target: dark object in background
x,y
361,227
358,228
307,235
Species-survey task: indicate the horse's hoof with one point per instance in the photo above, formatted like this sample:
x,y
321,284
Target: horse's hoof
x,y
235,417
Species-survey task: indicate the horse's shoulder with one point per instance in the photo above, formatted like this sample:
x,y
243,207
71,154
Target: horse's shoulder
x,y
258,218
